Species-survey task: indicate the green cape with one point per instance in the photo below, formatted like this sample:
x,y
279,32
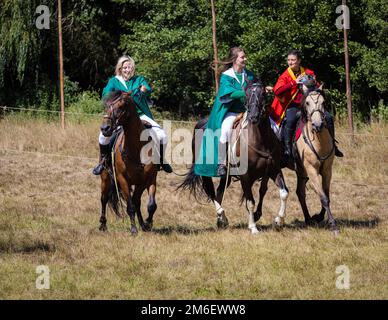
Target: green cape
x,y
114,84
207,160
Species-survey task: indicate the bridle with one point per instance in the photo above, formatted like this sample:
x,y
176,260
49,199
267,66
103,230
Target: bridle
x,y
305,132
255,100
315,109
111,109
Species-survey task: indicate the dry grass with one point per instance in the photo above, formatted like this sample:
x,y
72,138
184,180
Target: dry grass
x,y
49,211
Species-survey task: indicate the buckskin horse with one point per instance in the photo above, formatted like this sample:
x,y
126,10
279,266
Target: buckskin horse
x,y
315,155
264,156
131,174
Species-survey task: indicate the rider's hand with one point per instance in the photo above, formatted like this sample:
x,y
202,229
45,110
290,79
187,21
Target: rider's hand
x,y
268,89
299,79
143,89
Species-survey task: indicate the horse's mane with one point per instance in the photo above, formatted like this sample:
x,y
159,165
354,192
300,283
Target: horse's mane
x,y
111,96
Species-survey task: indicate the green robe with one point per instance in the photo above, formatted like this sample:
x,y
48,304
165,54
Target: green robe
x,y
135,82
207,161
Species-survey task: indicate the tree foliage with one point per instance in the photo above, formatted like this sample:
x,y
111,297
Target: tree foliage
x,y
171,42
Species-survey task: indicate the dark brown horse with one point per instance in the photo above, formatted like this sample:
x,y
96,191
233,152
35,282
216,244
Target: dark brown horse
x,y
129,171
264,153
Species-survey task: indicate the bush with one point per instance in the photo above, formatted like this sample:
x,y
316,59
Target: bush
x,y
87,102
380,112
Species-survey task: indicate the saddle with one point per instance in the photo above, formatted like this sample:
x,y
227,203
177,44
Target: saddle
x,y
238,120
239,123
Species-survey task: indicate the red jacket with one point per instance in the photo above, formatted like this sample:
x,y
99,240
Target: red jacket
x,y
286,91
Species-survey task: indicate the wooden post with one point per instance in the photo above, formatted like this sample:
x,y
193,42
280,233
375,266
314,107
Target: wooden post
x,y
347,75
215,46
61,84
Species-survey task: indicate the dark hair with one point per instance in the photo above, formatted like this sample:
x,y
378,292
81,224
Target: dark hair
x,y
295,53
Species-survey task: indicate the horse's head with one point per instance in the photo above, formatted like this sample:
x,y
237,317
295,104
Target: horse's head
x,y
308,84
255,100
314,106
118,108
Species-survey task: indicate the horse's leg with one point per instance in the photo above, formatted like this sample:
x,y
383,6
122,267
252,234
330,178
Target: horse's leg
x,y
137,203
325,198
283,192
151,206
246,185
131,211
318,186
222,220
208,187
262,192
301,193
105,185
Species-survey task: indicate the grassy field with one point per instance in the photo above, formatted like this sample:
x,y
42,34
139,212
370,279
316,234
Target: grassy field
x,y
49,212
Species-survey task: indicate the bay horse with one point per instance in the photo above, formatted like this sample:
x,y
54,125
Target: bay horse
x,y
264,156
131,174
315,155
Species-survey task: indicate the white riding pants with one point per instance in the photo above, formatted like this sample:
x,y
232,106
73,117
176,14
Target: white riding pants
x,y
156,131
226,127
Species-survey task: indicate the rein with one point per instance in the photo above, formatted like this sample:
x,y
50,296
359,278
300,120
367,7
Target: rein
x,y
256,101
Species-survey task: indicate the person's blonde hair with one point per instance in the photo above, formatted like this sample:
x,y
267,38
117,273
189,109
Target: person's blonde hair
x,y
120,63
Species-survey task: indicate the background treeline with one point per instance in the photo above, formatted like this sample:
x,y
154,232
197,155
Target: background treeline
x,y
171,41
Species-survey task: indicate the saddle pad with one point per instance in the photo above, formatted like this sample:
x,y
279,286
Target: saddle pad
x,y
299,130
243,123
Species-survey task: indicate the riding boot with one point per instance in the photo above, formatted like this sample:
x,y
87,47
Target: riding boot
x,y
330,127
221,167
288,135
163,163
104,156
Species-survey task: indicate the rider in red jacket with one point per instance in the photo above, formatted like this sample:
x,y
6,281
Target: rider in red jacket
x,y
288,98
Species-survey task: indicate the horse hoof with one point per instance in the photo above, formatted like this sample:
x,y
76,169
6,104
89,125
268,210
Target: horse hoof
x,y
279,222
335,230
222,221
254,230
134,231
103,228
146,227
317,218
222,224
311,223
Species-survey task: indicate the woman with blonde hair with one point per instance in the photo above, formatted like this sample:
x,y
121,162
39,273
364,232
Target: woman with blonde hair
x,y
126,80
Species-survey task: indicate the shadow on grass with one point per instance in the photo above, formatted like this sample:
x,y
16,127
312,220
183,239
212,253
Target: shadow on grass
x,y
185,230
14,247
294,225
297,225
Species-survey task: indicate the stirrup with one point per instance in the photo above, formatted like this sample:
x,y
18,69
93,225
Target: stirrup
x,y
98,169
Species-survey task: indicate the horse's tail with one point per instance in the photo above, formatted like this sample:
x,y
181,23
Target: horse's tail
x,y
113,198
193,183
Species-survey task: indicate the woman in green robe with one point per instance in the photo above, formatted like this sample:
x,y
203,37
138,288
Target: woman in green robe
x,y
230,101
126,80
